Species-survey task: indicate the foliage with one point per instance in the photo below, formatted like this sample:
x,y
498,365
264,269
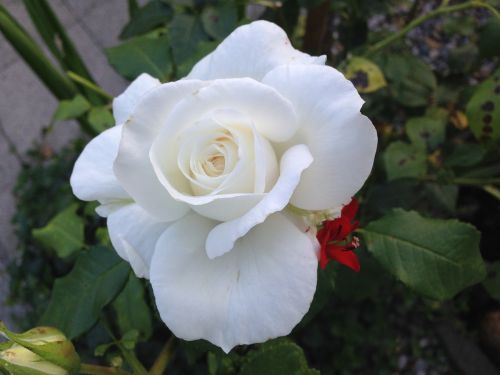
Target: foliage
x,y
429,213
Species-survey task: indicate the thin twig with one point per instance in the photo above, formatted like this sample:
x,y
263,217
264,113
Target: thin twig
x,y
163,358
90,85
417,21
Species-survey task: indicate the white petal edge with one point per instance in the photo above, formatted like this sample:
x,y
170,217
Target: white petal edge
x,y
124,104
133,233
132,166
251,51
92,177
259,291
342,141
223,237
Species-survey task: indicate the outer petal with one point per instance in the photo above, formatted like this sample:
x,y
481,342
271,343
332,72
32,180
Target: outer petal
x,y
251,51
132,166
342,141
124,104
133,233
222,238
93,177
260,290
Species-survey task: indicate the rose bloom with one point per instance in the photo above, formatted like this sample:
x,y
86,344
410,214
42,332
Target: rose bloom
x,y
201,181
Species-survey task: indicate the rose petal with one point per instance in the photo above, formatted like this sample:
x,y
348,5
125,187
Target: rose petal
x,y
124,104
260,290
222,238
92,177
272,116
342,140
132,166
133,233
251,51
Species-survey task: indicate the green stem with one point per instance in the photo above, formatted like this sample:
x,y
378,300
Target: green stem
x,y
132,360
492,190
89,85
163,358
464,181
475,181
89,369
128,355
444,8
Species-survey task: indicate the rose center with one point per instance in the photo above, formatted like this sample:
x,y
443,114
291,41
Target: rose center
x,y
221,153
214,166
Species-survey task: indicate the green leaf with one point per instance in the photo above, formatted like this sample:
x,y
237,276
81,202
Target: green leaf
x,y
443,197
78,298
483,109
147,18
411,82
489,38
276,357
71,109
145,54
462,59
186,32
101,349
220,364
129,339
465,155
63,234
365,75
425,132
437,258
404,160
100,118
492,282
219,21
132,311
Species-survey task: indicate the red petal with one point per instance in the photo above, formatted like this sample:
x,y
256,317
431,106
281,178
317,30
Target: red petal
x,y
345,257
350,209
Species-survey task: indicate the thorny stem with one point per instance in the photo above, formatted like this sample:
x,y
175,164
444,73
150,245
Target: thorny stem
x,y
443,8
163,358
89,369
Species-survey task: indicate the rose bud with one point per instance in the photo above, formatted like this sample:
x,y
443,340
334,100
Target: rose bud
x,y
41,350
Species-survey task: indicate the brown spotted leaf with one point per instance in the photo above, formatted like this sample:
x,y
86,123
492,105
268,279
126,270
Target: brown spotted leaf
x,y
483,110
365,75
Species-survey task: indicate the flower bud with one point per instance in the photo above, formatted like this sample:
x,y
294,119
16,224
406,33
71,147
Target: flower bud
x,y
41,350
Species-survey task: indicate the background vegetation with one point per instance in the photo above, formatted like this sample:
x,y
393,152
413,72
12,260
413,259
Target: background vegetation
x,y
427,299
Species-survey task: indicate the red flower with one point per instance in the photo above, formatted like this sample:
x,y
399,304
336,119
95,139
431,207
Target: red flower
x,y
333,240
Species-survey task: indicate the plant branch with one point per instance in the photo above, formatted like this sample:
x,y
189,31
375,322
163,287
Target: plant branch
x,y
163,358
132,360
89,85
128,355
492,190
475,181
442,9
89,369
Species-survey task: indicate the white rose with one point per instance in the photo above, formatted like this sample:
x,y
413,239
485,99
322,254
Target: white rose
x,y
195,178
